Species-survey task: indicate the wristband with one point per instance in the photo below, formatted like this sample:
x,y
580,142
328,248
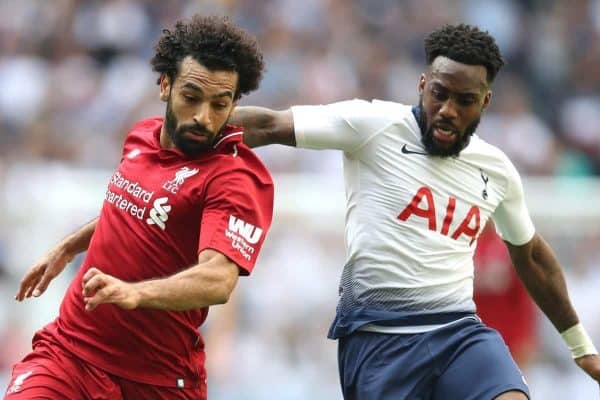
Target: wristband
x,y
578,341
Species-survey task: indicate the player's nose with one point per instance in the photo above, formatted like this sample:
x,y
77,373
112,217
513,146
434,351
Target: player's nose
x,y
448,110
202,114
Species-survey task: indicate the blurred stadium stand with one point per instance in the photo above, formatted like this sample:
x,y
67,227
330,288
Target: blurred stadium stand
x,y
75,74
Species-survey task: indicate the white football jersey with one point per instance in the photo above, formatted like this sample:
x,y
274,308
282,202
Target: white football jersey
x,y
411,219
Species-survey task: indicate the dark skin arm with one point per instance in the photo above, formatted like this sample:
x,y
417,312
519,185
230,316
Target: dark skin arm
x,y
540,272
36,280
263,126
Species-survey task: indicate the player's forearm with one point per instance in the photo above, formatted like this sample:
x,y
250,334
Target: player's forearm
x,y
542,275
197,287
263,126
79,240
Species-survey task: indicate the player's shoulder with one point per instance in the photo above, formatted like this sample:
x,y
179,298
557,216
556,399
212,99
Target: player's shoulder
x,y
397,114
481,152
374,115
233,156
375,107
142,136
479,146
391,107
145,130
147,124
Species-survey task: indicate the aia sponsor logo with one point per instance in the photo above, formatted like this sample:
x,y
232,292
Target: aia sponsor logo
x,y
423,206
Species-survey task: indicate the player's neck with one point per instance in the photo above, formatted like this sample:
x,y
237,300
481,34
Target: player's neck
x,y
165,139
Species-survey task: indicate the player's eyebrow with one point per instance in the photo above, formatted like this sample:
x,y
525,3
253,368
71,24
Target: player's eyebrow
x,y
439,85
195,88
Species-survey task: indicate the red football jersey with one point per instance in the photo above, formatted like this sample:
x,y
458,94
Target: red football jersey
x,y
502,301
160,210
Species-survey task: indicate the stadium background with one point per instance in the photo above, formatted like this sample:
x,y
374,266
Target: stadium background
x,y
74,75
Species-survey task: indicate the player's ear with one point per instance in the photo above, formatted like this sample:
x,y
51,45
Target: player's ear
x,y
422,84
165,87
487,99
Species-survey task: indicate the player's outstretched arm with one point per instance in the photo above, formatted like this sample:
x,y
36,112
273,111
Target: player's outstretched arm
x,y
209,282
263,126
542,275
36,280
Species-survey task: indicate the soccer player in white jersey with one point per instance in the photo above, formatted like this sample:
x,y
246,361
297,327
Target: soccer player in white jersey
x,y
420,186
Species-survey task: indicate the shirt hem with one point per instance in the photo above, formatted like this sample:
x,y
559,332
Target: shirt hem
x,y
413,328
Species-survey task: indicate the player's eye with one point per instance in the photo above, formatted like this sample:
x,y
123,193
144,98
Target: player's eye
x,y
438,95
220,106
466,101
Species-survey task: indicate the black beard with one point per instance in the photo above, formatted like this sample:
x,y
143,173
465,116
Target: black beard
x,y
429,144
187,146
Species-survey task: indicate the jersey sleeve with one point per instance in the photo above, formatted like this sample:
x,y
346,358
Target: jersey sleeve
x,y
343,126
511,217
237,214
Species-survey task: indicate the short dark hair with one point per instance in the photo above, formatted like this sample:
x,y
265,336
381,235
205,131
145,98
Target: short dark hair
x,y
215,43
465,44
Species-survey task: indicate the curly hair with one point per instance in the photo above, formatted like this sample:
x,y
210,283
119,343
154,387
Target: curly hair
x,y
215,43
465,44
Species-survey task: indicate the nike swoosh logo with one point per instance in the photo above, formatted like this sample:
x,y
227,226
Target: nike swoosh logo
x,y
407,151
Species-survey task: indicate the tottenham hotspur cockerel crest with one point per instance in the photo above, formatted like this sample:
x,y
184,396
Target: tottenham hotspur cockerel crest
x,y
180,176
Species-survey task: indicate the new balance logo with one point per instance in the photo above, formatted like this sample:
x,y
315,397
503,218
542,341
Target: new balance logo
x,y
248,231
133,153
159,214
18,382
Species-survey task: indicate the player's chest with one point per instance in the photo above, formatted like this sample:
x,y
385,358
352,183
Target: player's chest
x,y
402,171
447,196
163,177
155,192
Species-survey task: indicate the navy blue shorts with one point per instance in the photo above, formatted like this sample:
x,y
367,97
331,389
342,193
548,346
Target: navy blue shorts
x,y
463,361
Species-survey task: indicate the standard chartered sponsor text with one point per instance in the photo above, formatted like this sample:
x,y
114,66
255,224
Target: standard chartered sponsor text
x,y
122,201
130,187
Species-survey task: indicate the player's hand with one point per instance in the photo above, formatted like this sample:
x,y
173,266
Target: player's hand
x,y
100,288
590,364
36,280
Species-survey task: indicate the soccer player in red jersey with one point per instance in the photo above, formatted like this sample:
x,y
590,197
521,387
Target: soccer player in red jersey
x,y
501,298
184,215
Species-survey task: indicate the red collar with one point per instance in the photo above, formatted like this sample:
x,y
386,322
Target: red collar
x,y
229,134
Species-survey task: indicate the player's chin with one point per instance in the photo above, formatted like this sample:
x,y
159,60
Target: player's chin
x,y
193,147
448,144
444,148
